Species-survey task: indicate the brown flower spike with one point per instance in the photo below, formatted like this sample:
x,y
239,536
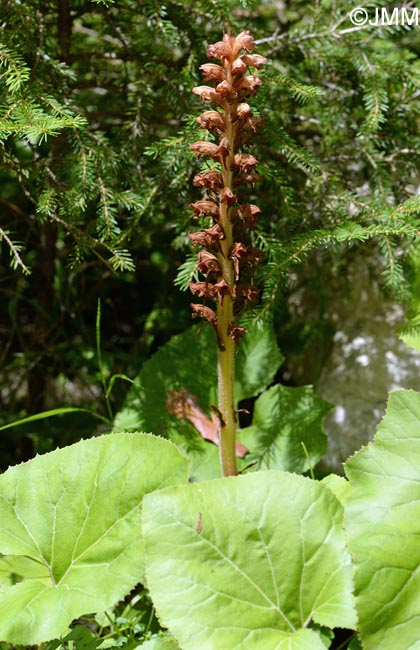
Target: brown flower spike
x,y
226,260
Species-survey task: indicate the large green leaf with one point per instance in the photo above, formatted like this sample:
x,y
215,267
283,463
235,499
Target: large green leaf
x,y
383,520
189,361
159,643
284,418
70,526
248,562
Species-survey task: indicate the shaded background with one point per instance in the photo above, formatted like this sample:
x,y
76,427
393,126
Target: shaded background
x,y
101,211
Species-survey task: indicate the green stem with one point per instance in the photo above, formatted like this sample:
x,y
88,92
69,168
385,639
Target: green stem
x,y
226,351
225,371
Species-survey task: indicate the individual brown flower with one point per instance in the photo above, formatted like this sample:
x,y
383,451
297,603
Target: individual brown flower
x,y
224,89
247,86
222,49
208,263
202,148
248,291
202,289
202,311
238,66
247,177
243,110
211,180
254,60
246,130
217,152
213,121
205,207
208,290
244,255
244,41
227,196
210,237
212,71
208,94
221,289
246,215
245,161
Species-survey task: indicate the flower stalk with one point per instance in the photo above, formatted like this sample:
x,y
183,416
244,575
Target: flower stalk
x,y
226,260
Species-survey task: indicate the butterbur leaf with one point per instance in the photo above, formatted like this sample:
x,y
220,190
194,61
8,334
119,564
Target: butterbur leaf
x,y
248,562
283,419
383,521
160,643
70,528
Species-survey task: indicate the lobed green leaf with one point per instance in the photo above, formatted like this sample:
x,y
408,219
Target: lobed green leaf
x,y
382,515
70,528
248,562
286,431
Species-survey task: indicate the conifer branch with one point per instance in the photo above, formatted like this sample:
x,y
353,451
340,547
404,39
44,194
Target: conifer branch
x,y
15,249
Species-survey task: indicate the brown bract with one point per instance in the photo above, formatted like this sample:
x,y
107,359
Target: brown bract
x,y
247,177
236,332
184,405
248,291
246,215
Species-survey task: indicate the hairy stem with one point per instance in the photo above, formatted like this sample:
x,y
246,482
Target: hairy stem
x,y
225,369
226,356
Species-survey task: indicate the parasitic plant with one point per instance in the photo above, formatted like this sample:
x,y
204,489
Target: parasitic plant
x,y
225,259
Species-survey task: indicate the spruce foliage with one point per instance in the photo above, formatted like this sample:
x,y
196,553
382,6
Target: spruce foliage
x,y
96,118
